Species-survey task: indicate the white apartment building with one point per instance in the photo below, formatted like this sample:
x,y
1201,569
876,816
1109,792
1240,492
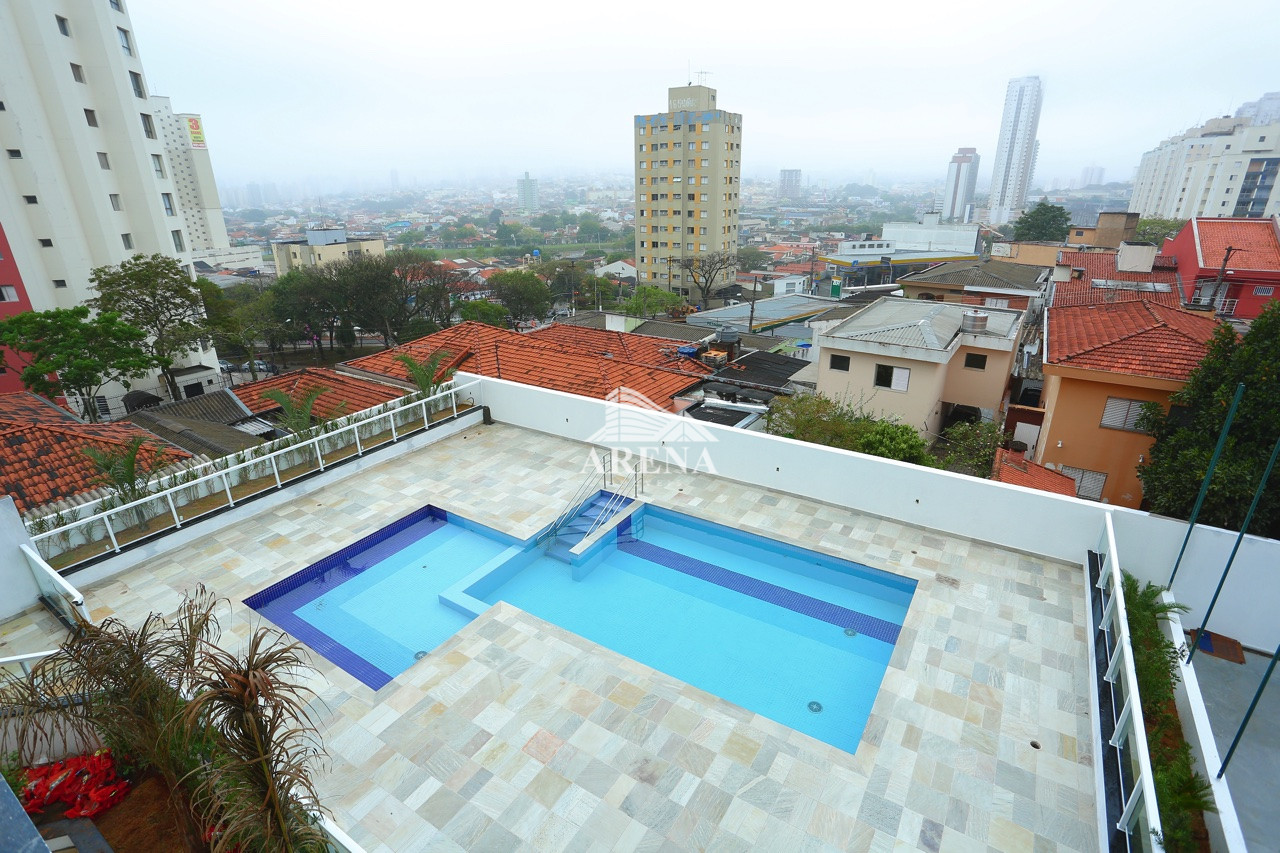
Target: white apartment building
x,y
962,181
527,194
1226,167
93,169
688,162
1016,151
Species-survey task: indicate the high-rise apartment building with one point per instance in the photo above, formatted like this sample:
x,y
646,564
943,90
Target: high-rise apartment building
x,y
962,181
688,163
789,186
1016,150
1226,167
527,194
93,168
1265,110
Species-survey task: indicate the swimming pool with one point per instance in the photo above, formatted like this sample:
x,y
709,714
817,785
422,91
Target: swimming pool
x,y
796,636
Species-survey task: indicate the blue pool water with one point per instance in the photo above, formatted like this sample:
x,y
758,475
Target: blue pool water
x,y
796,636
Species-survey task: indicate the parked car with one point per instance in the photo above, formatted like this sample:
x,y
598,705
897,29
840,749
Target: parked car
x,y
225,366
262,367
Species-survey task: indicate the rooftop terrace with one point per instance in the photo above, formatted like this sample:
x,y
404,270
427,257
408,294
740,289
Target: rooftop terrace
x,y
517,732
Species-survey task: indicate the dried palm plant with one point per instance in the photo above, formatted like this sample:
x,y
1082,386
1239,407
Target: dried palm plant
x,y
258,792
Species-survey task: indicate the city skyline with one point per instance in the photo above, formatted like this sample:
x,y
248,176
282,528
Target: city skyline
x,y
445,111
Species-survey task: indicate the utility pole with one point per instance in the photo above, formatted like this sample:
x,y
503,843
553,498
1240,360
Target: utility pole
x,y
1222,272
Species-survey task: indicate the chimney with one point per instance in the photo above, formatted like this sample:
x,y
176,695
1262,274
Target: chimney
x,y
1016,455
1061,272
1135,257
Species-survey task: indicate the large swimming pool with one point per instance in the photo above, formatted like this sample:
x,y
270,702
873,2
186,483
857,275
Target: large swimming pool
x,y
793,635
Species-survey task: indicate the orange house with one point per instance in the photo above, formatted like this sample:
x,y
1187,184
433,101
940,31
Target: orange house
x,y
1102,362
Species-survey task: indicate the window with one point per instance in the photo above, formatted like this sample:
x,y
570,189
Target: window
x,y
30,199
127,239
643,147
1261,290
91,117
77,73
1120,413
995,302
893,378
1088,483
975,360
115,201
8,293
103,160
157,163
641,131
14,153
148,126
63,26
126,44
115,4
167,200
178,244
59,282
135,79
838,362
46,243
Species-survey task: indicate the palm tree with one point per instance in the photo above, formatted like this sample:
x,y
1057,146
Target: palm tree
x,y
427,374
127,471
296,411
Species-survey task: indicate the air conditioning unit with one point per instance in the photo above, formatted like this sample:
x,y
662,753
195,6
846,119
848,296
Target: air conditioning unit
x,y
715,358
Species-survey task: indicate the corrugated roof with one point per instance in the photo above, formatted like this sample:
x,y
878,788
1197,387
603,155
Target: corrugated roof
x,y
981,274
197,436
917,323
221,407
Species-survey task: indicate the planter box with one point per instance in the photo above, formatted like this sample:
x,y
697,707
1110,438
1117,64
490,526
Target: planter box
x,y
1224,827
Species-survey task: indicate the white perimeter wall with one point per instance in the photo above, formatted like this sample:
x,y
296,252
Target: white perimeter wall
x,y
1024,519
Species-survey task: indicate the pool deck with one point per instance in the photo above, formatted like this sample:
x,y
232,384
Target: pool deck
x,y
515,734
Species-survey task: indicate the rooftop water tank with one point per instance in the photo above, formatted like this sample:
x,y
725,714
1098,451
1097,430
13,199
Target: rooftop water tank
x,y
974,322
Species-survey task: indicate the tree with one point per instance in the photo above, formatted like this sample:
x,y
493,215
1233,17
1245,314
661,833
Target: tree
x,y
483,311
64,350
1047,222
522,293
1158,230
152,293
822,420
709,272
648,301
297,410
1186,435
128,470
972,446
751,258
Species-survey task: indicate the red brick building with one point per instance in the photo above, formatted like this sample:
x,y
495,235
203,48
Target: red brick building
x,y
1231,264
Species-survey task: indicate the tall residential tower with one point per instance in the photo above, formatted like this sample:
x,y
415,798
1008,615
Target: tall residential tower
x,y
95,169
1016,151
688,162
962,180
527,194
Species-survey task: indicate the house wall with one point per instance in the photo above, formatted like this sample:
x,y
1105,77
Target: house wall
x,y
1075,406
918,406
1033,254
970,386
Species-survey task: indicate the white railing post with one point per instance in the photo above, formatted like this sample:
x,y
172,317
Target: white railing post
x,y
226,484
111,534
275,470
453,399
359,449
319,456
173,509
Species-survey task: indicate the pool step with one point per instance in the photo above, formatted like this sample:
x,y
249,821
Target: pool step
x,y
575,529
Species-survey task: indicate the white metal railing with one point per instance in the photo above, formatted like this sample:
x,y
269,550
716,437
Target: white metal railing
x,y
266,468
24,662
339,841
592,482
55,589
1140,817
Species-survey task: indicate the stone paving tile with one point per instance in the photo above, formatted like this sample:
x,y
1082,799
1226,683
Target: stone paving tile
x,y
517,732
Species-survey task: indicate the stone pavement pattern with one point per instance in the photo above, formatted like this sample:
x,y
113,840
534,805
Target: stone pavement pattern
x,y
515,734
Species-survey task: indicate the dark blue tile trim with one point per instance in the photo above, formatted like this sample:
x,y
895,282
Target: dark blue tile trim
x,y
279,601
834,614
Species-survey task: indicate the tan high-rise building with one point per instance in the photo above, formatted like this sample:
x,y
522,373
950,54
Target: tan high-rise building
x,y
688,163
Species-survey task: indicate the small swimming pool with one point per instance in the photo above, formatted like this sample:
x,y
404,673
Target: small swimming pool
x,y
791,634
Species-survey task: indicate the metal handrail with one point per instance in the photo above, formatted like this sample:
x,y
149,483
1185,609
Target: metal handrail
x,y
579,497
24,661
41,569
617,500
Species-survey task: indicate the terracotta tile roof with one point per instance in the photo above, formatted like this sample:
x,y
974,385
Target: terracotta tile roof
x,y
548,363
41,450
1138,337
1256,240
345,395
1017,471
642,349
1160,285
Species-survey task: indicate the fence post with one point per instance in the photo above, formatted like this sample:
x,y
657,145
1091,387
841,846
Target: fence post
x,y
176,520
226,484
426,416
356,432
275,470
319,455
391,416
111,534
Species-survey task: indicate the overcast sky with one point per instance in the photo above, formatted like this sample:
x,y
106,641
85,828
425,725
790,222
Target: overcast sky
x,y
347,91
